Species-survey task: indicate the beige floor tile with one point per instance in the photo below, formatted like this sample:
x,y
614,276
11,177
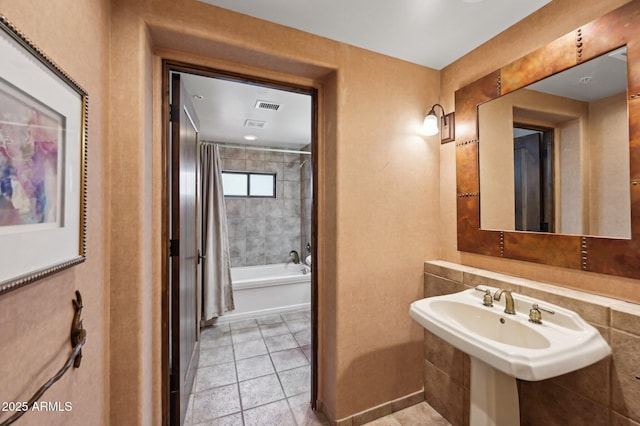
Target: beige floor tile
x,y
420,414
305,416
275,413
417,415
253,348
385,421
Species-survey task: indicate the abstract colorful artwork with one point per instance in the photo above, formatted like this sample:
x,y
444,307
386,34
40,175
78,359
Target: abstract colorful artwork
x,y
30,138
44,116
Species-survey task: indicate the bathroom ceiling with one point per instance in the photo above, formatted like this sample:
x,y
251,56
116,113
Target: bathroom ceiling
x,y
229,110
432,33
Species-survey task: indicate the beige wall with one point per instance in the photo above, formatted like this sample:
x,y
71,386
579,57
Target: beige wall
x,y
571,192
380,190
378,193
554,20
610,210
35,320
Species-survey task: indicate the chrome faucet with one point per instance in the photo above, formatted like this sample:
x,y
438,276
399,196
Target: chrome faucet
x,y
509,307
296,257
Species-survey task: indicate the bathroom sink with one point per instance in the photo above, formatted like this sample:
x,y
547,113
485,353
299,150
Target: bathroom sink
x,y
487,324
512,344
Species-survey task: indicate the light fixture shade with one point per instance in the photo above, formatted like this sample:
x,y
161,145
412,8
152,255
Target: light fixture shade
x,y
430,124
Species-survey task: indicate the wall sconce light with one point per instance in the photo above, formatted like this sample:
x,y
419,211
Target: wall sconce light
x,y
447,124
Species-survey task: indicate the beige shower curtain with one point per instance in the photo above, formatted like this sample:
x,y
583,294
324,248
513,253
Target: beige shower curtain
x,y
217,296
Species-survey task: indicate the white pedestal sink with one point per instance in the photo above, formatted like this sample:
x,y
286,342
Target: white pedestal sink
x,y
494,396
504,347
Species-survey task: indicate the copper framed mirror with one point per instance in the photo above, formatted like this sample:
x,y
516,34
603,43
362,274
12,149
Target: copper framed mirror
x,y
614,256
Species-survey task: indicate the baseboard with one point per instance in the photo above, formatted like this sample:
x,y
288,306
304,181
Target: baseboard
x,y
255,314
377,412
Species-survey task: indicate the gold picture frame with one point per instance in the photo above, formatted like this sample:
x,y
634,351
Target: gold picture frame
x,y
43,164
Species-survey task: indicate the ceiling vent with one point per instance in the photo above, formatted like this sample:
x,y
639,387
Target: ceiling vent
x,y
255,124
271,106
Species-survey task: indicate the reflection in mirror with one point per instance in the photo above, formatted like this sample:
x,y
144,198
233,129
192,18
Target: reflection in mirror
x,y
533,178
554,156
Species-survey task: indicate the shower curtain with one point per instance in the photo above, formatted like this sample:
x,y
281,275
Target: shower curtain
x,y
216,273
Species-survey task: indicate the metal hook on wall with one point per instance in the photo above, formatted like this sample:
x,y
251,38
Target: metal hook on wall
x,y
78,334
78,339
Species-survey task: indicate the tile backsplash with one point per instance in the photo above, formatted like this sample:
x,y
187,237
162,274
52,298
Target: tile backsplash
x,y
605,393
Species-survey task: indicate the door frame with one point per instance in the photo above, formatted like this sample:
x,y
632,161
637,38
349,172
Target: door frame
x,y
548,179
169,66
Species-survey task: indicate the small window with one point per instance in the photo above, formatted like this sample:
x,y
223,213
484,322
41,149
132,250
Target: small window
x,y
235,184
249,184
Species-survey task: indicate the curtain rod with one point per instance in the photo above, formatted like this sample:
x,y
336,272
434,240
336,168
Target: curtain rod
x,y
257,148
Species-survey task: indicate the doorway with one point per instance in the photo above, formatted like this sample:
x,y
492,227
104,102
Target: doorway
x,y
533,155
308,242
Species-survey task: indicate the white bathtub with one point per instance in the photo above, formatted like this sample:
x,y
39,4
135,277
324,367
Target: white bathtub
x,y
269,289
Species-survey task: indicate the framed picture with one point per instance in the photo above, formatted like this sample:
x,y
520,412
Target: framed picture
x,y
43,164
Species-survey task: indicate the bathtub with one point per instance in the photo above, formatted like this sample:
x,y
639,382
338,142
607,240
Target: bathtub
x,y
269,289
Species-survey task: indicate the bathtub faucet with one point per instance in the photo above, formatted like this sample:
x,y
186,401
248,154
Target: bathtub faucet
x,y
296,257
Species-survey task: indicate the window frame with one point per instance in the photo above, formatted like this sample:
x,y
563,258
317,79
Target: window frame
x,y
248,175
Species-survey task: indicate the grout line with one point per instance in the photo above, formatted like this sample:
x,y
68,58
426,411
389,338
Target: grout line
x,y
284,392
235,365
277,373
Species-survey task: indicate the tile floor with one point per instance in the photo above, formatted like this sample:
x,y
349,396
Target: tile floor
x,y
417,415
257,373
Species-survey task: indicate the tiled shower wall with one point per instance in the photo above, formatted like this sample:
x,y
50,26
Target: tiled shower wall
x,y
605,393
306,198
263,231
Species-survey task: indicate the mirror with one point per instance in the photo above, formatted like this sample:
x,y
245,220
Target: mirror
x,y
564,141
574,243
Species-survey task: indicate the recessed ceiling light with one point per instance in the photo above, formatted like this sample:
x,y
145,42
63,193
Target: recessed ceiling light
x,y
198,97
250,137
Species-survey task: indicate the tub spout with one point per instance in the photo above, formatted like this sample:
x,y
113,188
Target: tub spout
x,y
295,256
